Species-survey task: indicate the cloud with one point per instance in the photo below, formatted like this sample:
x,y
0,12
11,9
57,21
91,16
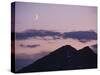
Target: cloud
x,y
82,36
94,48
30,46
37,33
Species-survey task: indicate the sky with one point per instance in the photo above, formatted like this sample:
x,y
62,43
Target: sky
x,y
55,17
42,28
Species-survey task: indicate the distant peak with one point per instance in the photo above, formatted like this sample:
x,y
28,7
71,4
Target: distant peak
x,y
69,46
65,49
86,50
87,47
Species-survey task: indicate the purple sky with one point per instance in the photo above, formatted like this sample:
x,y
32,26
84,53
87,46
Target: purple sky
x,y
55,17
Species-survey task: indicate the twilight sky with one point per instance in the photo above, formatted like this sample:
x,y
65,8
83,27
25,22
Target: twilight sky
x,y
42,28
55,17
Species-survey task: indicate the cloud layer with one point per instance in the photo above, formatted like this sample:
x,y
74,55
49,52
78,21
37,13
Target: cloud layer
x,y
37,33
82,36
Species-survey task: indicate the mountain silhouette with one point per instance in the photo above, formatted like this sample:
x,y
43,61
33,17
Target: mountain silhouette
x,y
64,58
88,57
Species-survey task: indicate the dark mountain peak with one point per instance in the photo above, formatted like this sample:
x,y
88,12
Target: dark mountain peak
x,y
66,48
87,47
64,51
86,50
69,46
63,58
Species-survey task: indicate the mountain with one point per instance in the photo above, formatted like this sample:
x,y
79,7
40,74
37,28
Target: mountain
x,y
88,57
64,58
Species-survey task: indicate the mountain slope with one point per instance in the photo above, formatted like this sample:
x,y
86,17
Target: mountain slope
x,y
88,57
64,58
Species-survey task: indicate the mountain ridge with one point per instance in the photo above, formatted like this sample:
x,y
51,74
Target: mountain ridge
x,y
64,58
